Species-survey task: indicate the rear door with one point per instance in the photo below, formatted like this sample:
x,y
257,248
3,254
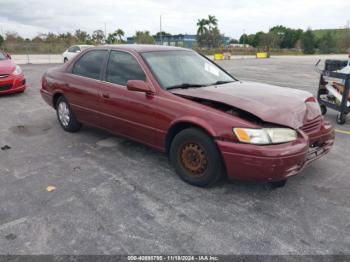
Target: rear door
x,y
129,113
83,83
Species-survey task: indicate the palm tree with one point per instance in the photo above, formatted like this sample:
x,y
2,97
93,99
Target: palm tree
x,y
202,26
119,33
212,20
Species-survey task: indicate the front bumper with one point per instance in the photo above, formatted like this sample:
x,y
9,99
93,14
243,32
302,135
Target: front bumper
x,y
275,162
12,84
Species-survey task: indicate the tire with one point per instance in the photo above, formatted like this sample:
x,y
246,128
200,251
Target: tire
x,y
66,116
65,60
323,109
196,158
277,184
341,119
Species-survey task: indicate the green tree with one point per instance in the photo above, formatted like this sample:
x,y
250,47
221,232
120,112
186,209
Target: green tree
x,y
111,39
116,37
144,37
82,36
13,38
163,33
202,26
327,43
119,34
251,39
288,36
308,42
233,41
212,21
67,38
208,34
2,40
98,36
343,42
269,40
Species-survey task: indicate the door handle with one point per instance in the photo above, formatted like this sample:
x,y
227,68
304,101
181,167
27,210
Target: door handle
x,y
106,96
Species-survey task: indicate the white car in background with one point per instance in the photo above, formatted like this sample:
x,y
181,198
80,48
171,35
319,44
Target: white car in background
x,y
73,51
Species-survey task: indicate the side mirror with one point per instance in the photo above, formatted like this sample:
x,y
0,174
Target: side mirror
x,y
8,56
139,86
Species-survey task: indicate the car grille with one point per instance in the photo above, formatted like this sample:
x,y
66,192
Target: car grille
x,y
312,126
5,87
3,76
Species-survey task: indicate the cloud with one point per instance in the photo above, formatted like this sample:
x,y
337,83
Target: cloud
x,y
29,17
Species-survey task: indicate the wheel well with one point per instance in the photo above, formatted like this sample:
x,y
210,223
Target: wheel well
x,y
177,128
55,99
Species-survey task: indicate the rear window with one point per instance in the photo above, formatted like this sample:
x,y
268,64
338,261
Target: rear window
x,y
90,64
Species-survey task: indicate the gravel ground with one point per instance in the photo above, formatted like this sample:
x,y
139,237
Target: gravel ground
x,y
115,196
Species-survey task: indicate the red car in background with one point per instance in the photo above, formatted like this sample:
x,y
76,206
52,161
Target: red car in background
x,y
175,100
11,77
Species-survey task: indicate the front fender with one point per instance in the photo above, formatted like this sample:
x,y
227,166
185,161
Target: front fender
x,y
195,121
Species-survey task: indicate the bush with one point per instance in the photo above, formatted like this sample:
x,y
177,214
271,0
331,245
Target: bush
x,y
308,42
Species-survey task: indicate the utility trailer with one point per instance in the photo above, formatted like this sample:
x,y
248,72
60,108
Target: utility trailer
x,y
333,91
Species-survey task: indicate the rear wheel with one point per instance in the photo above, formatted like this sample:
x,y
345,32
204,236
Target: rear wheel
x,y
196,158
65,60
323,109
66,116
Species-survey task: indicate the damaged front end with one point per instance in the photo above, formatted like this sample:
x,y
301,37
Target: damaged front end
x,y
228,109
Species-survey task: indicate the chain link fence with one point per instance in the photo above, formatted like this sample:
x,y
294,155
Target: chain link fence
x,y
35,53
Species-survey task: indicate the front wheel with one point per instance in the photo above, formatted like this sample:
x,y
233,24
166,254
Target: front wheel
x,y
341,118
66,116
196,158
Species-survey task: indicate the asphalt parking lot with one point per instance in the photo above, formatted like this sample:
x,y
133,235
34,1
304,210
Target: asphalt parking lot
x,y
115,196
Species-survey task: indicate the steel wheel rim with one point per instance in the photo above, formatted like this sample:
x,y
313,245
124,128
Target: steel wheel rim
x,y
194,159
63,114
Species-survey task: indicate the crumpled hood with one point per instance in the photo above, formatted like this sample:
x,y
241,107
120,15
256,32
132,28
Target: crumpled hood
x,y
274,104
6,67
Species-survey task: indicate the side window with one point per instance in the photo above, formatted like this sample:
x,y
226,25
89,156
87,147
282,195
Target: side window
x,y
90,64
123,67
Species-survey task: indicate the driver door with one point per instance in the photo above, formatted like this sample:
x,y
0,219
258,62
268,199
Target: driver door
x,y
129,113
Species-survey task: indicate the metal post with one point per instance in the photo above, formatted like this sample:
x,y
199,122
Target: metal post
x,y
28,61
105,33
49,53
161,34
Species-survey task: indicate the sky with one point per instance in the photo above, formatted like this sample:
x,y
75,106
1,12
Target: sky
x,y
31,17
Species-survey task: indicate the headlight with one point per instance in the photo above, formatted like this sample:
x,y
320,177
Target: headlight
x,y
265,136
17,71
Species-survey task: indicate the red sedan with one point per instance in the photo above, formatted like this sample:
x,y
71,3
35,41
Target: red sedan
x,y
175,100
11,77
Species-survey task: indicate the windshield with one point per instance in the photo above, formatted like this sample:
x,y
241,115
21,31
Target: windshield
x,y
2,56
184,69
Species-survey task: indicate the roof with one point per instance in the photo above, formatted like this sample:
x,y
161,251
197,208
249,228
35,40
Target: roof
x,y
146,48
